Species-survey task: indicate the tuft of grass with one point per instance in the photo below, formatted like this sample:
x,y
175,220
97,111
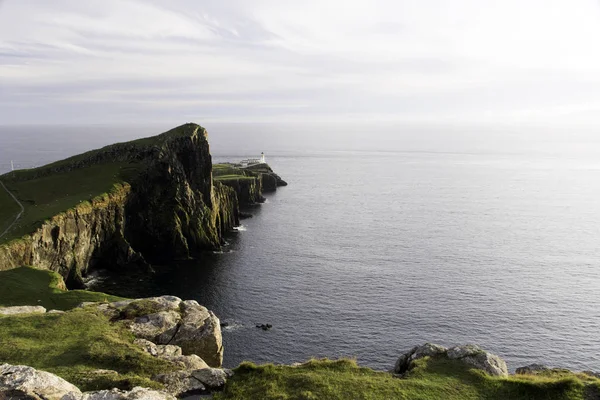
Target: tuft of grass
x,y
30,286
432,379
74,345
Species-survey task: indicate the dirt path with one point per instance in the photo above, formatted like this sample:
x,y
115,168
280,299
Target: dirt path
x,y
18,215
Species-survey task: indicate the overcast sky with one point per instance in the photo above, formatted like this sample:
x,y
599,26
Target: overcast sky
x,y
74,61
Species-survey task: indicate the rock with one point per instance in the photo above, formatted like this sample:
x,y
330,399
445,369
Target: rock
x,y
22,382
475,356
153,326
147,346
22,310
264,327
198,332
180,383
405,362
168,350
55,312
213,378
531,369
190,362
137,393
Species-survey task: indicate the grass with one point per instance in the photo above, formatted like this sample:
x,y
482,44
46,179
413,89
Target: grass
x,y
433,379
30,286
234,177
74,344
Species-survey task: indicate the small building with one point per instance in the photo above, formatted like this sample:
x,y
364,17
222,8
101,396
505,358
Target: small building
x,y
253,161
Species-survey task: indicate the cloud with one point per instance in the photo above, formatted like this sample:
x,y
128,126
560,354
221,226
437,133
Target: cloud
x,y
466,60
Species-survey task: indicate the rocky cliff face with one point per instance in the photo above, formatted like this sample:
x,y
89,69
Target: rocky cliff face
x,y
169,209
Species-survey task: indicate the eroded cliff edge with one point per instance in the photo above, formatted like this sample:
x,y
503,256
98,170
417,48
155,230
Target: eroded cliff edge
x,y
163,205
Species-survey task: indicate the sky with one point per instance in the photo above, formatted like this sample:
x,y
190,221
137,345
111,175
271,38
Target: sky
x,y
471,61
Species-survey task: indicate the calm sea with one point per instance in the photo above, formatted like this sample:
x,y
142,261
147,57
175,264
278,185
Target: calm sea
x,y
390,238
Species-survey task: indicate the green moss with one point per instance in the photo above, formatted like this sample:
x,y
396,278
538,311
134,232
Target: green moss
x,y
74,344
30,286
234,177
432,379
139,308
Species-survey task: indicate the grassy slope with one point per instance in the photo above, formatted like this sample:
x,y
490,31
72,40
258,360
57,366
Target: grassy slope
x,y
431,380
224,172
30,286
71,344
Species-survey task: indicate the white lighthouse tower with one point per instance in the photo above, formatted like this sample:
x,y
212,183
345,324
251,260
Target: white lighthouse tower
x,y
262,158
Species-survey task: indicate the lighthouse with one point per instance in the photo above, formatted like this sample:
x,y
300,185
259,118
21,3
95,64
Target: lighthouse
x,y
262,158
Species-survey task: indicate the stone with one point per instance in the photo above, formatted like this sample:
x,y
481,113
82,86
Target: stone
x,y
168,350
213,378
190,362
475,356
152,326
147,346
180,383
29,383
405,361
198,332
531,369
22,310
137,393
55,312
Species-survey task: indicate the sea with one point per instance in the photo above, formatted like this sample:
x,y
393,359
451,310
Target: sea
x,y
389,236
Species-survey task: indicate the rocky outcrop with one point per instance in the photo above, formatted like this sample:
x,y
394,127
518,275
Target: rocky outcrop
x,y
471,355
22,382
22,310
168,209
137,393
183,332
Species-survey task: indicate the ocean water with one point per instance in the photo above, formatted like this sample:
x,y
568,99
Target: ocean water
x,y
447,237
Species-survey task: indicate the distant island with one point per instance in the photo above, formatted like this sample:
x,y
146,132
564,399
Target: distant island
x,y
129,205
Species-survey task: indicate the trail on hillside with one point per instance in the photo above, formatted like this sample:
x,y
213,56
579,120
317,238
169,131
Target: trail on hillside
x,y
18,215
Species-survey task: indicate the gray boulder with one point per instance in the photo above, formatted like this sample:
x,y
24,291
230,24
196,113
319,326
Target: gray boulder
x,y
180,383
137,393
152,326
199,332
470,354
190,362
405,361
22,310
213,378
475,356
22,382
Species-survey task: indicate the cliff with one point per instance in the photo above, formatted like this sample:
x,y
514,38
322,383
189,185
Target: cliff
x,y
249,183
151,200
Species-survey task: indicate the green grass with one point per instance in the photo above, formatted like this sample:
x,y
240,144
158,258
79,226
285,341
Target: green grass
x,y
49,195
431,380
73,344
30,286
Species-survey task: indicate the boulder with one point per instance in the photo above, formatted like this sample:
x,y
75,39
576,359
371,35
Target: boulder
x,y
470,354
55,312
475,356
158,350
190,362
153,326
405,362
213,378
22,310
531,369
198,332
22,382
137,393
180,383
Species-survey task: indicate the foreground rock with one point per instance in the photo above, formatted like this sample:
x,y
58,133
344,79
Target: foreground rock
x,y
22,382
22,310
188,327
185,383
137,393
471,355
